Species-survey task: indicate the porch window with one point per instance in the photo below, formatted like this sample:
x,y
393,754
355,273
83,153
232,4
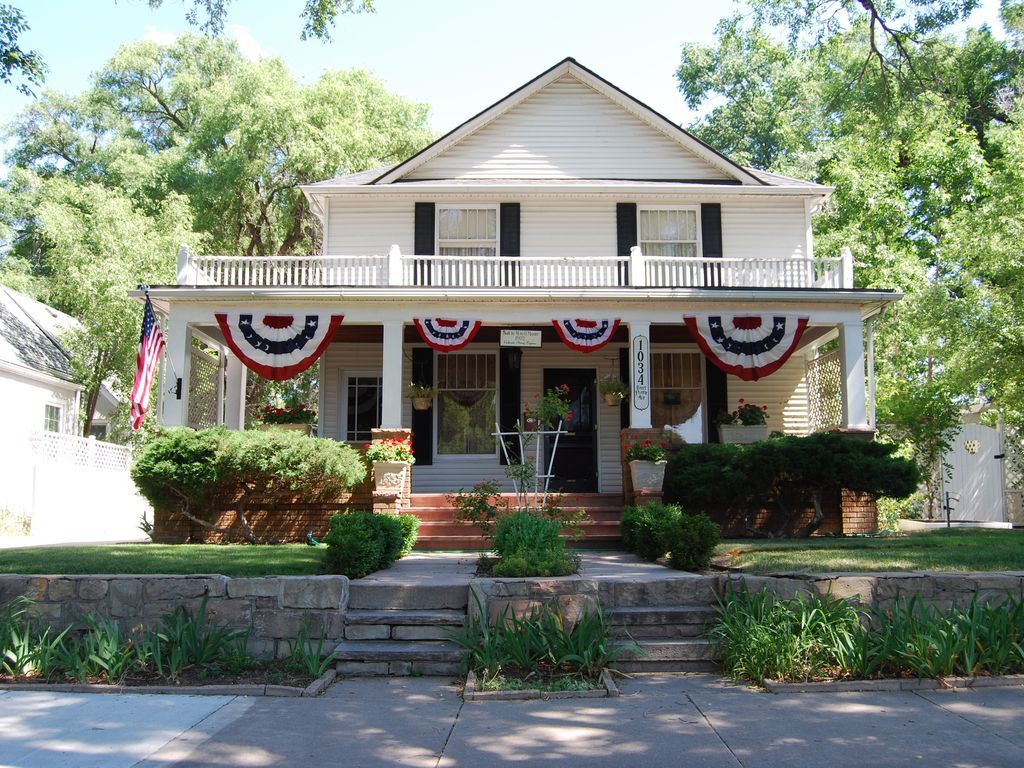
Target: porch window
x,y
669,232
362,407
466,385
463,231
677,387
51,418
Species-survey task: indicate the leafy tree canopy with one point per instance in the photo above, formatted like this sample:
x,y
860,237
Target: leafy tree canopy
x,y
17,64
318,16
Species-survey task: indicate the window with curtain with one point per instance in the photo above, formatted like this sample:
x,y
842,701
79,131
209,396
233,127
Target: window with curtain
x,y
362,407
51,418
467,231
466,385
669,232
677,387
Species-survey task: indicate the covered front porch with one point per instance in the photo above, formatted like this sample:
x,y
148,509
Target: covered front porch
x,y
377,352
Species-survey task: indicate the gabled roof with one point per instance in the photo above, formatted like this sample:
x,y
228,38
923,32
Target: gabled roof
x,y
28,334
571,67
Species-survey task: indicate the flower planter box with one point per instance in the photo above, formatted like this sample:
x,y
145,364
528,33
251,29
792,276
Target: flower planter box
x,y
303,428
389,476
742,433
647,475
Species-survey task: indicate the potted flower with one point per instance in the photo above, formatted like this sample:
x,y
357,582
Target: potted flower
x,y
646,465
390,460
421,395
296,418
552,409
747,424
613,390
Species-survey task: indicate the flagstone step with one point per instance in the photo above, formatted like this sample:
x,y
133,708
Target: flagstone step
x,y
660,622
391,657
402,625
384,596
682,655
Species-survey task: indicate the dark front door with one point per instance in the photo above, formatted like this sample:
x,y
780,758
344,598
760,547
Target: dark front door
x,y
575,467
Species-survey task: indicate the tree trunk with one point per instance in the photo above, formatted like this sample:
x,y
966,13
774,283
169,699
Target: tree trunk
x,y
815,522
92,395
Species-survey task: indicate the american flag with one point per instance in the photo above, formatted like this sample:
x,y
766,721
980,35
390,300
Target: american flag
x,y
151,346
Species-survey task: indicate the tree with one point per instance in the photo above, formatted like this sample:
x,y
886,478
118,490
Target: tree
x,y
15,63
319,16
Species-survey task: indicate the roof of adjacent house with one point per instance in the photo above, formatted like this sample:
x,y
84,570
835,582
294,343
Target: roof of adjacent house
x,y
29,332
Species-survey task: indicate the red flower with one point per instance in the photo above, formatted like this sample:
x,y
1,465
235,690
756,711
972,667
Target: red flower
x,y
568,416
742,400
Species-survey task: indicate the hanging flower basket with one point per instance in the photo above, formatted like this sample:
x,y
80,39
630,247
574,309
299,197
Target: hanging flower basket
x,y
612,398
421,403
421,395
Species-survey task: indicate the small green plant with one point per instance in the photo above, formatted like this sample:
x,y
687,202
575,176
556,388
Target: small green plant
x,y
307,656
646,528
747,414
548,409
610,385
692,540
481,505
420,392
647,450
186,639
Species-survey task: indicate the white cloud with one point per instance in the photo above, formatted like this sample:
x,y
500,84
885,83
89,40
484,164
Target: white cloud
x,y
247,44
160,36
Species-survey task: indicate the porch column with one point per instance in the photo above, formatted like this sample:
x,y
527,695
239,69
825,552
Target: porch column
x,y
852,385
234,395
391,376
640,375
178,360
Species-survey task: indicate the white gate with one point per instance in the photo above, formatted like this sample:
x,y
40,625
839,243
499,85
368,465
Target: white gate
x,y
976,485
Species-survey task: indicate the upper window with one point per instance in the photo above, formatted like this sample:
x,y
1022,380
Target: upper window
x,y
362,407
669,232
677,387
467,231
465,404
51,418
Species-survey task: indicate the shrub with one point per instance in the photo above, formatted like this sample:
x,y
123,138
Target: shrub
x,y
481,505
534,562
410,532
359,543
787,475
692,540
645,529
528,545
190,471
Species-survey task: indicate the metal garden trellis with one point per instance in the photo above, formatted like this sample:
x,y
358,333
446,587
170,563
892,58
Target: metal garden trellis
x,y
526,440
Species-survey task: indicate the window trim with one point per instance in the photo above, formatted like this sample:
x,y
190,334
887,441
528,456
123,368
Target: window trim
x,y
60,417
689,349
438,207
343,411
699,242
444,457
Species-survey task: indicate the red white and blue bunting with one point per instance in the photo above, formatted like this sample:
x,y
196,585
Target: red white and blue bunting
x,y
446,335
586,335
745,345
278,347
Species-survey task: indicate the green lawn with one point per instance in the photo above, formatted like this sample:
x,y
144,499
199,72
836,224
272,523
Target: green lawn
x,y
226,559
945,550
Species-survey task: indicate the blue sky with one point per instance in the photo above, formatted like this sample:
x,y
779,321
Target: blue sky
x,y
457,55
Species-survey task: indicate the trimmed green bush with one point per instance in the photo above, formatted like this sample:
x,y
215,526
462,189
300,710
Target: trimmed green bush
x,y
533,562
531,546
645,529
190,471
359,543
410,532
788,476
692,540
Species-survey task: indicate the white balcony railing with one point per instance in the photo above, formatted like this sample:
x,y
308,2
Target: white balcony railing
x,y
397,269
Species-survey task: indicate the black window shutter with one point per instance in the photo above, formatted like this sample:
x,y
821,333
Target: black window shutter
x,y
510,363
626,235
509,246
711,240
423,421
624,376
717,388
423,242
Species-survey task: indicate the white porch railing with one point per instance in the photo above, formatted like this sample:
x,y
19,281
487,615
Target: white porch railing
x,y
397,269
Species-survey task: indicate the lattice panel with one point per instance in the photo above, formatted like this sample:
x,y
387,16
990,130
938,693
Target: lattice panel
x,y
824,396
1013,472
81,451
202,390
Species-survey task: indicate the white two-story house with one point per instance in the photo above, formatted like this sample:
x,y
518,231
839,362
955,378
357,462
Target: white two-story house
x,y
612,242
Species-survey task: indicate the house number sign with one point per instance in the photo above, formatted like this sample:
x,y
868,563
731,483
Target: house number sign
x,y
640,393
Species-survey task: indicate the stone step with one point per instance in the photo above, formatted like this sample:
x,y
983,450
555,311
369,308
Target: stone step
x,y
585,500
397,668
635,616
685,649
458,528
674,589
479,544
407,618
447,515
395,651
381,596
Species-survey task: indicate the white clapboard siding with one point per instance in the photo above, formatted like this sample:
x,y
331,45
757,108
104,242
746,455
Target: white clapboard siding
x,y
768,229
357,226
784,392
339,360
567,130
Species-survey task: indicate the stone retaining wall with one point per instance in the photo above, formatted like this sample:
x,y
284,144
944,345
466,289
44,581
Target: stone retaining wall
x,y
272,609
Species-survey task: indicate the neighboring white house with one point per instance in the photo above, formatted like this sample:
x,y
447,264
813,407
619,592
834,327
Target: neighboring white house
x,y
566,200
71,488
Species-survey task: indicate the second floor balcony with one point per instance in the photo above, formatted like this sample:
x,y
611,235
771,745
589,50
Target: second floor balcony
x,y
442,271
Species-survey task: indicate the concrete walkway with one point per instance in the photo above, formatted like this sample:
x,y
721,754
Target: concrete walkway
x,y
661,720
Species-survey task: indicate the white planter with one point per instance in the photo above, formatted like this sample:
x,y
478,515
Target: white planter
x,y
389,476
647,475
742,433
303,428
